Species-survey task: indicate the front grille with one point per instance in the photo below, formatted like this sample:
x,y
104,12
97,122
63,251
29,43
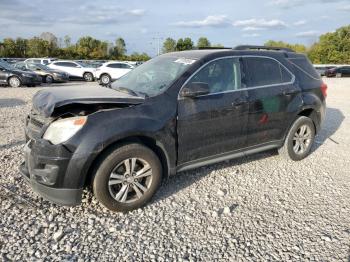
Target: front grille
x,y
35,125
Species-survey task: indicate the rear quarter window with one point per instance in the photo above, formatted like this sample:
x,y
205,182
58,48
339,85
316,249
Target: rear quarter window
x,y
303,65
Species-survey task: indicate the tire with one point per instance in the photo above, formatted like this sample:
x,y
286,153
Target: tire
x,y
295,137
14,81
48,79
114,186
105,79
88,77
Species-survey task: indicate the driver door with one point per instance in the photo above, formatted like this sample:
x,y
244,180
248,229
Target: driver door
x,y
213,124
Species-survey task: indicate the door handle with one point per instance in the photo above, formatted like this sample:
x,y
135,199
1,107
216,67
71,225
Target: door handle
x,y
289,92
238,102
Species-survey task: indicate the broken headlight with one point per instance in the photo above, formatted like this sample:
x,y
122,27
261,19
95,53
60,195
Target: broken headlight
x,y
61,130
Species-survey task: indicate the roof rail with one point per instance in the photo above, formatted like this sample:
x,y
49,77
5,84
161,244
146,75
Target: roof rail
x,y
258,47
211,47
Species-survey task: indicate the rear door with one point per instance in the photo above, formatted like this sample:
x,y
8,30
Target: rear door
x,y
215,123
345,71
271,91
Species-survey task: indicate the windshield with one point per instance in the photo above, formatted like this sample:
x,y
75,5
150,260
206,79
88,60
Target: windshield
x,y
154,76
6,65
38,66
82,64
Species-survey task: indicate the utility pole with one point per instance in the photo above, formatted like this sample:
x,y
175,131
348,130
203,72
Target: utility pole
x,y
158,39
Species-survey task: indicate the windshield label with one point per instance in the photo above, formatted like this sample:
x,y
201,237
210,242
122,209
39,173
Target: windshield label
x,y
185,61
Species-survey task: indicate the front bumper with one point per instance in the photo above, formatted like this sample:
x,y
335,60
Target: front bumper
x,y
44,169
61,78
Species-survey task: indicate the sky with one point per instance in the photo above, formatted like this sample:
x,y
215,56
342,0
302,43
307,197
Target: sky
x,y
144,23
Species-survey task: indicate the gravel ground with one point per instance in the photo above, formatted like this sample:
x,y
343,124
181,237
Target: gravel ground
x,y
255,208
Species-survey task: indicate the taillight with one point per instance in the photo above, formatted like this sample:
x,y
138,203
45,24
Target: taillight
x,y
324,89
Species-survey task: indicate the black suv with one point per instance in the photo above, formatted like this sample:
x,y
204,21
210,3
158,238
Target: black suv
x,y
16,78
176,112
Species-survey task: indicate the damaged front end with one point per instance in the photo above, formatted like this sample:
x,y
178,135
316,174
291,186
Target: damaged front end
x,y
56,117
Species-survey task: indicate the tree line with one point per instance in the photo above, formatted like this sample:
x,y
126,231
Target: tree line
x,y
87,47
331,48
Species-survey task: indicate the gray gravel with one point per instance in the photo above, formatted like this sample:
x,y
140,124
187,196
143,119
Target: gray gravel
x,y
255,208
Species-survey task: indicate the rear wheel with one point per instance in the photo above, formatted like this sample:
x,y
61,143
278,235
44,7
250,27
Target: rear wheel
x,y
127,177
14,81
105,79
299,140
88,77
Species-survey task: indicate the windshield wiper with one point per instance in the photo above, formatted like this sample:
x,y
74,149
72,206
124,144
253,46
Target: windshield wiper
x,y
126,90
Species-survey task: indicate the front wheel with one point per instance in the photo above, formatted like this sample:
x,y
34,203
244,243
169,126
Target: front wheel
x,y
88,77
14,81
127,177
299,140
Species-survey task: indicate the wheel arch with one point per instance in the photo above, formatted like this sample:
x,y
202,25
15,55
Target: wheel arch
x,y
313,115
149,142
8,78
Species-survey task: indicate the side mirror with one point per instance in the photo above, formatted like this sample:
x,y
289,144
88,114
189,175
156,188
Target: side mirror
x,y
195,89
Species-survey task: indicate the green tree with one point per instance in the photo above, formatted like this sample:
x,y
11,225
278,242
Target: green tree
x,y
203,42
169,45
120,48
138,57
332,48
296,47
184,44
91,48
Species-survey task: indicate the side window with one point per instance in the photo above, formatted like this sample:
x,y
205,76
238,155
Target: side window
x,y
221,75
36,61
265,71
113,65
59,64
46,62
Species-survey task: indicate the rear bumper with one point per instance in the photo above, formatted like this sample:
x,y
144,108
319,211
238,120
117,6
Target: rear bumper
x,y
44,174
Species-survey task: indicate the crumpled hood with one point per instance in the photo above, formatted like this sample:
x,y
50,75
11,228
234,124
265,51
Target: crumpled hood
x,y
47,100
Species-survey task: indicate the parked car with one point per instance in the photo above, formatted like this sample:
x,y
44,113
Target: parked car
x,y
176,112
341,71
43,61
47,74
76,70
322,69
13,77
111,71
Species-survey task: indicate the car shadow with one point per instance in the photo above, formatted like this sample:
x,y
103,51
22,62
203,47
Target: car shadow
x,y
11,102
334,119
185,179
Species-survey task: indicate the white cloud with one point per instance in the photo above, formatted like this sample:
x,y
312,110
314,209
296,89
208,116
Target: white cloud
x,y
308,34
137,12
293,3
212,21
345,8
251,35
252,28
300,22
260,24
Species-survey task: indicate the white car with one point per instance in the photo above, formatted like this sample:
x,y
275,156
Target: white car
x,y
111,71
75,69
43,61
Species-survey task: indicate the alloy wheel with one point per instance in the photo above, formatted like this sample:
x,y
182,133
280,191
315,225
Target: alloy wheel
x,y
105,79
130,180
14,82
302,139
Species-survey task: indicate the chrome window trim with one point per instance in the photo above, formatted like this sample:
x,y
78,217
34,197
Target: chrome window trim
x,y
242,89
